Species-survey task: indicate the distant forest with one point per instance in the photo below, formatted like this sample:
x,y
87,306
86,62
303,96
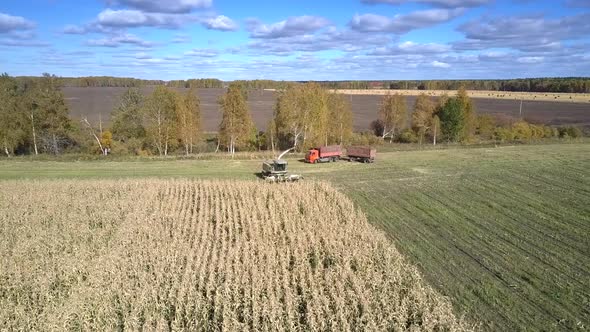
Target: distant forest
x,y
557,84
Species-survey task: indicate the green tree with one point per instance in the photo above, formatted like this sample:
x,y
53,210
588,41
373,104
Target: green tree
x,y
302,115
189,119
127,118
289,118
340,119
435,128
271,134
52,115
314,104
486,125
159,112
422,116
393,113
469,117
12,121
451,119
106,139
236,124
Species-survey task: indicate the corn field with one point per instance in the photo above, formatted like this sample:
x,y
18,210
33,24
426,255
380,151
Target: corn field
x,y
202,255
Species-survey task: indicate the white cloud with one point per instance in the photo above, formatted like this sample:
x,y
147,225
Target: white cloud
x,y
118,40
530,59
401,24
202,53
292,26
126,18
328,39
410,47
221,22
438,3
527,34
10,23
439,64
166,6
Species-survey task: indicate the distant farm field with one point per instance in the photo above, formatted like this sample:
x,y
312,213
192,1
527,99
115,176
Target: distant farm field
x,y
96,102
503,232
202,255
508,95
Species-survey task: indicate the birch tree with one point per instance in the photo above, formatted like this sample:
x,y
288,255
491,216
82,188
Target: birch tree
x,y
435,128
88,126
11,120
422,116
127,119
393,113
236,124
314,102
288,116
302,115
469,117
340,115
271,133
189,119
51,114
160,119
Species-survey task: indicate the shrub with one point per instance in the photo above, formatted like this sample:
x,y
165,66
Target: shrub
x,y
537,132
365,138
549,132
407,136
521,130
452,119
574,132
486,125
503,134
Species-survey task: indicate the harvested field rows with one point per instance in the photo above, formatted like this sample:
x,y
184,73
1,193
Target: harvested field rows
x,y
91,102
201,255
505,233
507,95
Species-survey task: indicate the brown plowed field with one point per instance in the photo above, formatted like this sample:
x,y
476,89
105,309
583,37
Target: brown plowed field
x,y
92,102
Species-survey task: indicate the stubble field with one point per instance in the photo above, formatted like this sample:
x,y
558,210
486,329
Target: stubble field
x,y
92,102
202,255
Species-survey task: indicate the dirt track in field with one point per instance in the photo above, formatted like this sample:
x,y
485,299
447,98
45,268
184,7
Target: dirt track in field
x,y
99,102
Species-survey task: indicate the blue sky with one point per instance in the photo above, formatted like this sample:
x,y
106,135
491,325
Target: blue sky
x,y
296,40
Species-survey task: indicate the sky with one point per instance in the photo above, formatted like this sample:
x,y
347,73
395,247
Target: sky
x,y
296,39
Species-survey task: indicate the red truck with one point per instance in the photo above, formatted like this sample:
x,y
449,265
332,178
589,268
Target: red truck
x,y
363,154
323,154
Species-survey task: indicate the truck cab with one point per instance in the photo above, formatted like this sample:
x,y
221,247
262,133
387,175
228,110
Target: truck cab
x,y
312,156
324,154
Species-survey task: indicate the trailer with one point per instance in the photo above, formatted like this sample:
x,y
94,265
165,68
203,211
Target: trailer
x,y
364,154
324,154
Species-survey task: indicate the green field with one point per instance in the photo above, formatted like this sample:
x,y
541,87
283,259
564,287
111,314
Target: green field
x,y
503,232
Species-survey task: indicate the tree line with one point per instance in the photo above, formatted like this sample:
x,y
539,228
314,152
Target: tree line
x,y
34,119
453,119
95,81
548,84
196,83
